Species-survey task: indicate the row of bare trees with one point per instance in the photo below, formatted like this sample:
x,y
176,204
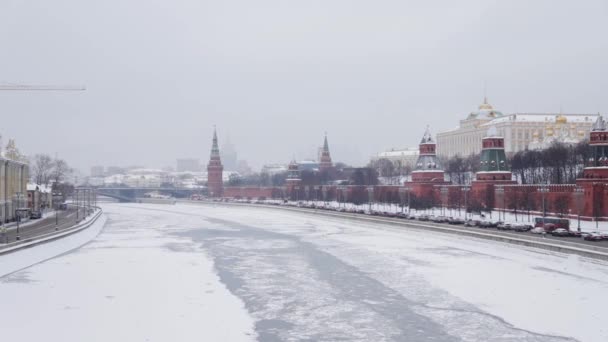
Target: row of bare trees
x,y
46,170
558,164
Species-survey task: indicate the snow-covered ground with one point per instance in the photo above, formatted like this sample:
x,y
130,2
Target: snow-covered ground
x,y
218,273
134,282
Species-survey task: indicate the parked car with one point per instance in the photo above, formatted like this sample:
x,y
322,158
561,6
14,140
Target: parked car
x,y
455,220
63,206
522,227
36,215
423,217
505,226
487,224
575,233
538,230
439,219
560,232
594,236
472,223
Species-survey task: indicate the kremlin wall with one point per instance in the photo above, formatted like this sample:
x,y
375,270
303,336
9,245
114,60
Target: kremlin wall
x,y
492,189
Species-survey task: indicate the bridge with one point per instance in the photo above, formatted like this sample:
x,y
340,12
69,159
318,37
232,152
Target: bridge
x,y
130,194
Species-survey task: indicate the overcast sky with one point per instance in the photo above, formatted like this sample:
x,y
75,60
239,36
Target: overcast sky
x,y
275,75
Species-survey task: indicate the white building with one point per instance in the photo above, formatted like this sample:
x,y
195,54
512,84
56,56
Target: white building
x,y
519,130
405,157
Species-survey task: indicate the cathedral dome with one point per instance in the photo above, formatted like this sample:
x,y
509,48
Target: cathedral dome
x,y
561,119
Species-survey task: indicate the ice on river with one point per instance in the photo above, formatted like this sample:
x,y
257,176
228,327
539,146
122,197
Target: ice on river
x,y
217,273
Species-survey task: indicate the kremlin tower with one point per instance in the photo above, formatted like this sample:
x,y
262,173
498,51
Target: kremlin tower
x,y
215,183
494,171
428,172
493,159
428,168
325,163
293,181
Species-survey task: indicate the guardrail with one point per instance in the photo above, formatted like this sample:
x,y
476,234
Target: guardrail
x,y
52,236
528,241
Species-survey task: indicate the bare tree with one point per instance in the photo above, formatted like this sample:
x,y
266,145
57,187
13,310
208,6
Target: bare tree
x,y
60,171
42,169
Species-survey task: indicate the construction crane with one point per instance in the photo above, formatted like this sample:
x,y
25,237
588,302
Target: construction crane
x,y
32,87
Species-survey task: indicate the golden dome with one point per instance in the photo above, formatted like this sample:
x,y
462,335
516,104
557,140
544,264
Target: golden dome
x,y
485,105
560,119
550,131
581,133
535,135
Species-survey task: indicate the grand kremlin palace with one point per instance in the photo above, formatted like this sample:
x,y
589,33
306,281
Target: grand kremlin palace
x,y
520,131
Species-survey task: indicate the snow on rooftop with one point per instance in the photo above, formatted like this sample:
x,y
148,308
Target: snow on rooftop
x,y
543,117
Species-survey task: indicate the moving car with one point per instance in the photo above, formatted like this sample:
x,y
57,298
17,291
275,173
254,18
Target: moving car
x,y
36,215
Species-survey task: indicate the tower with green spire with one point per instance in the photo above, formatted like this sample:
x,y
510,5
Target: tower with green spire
x,y
493,161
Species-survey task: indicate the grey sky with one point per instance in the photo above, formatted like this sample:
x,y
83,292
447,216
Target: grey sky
x,y
276,74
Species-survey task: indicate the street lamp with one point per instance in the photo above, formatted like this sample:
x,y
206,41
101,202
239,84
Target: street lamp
x,y
401,197
500,194
444,199
543,190
370,197
579,194
18,214
465,189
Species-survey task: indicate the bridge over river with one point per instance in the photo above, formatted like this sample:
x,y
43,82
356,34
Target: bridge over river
x,y
130,194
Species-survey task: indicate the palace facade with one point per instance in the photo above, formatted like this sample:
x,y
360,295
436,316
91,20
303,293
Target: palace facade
x,y
521,131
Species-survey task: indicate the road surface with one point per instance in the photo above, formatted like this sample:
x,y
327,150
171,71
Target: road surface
x,y
33,228
205,273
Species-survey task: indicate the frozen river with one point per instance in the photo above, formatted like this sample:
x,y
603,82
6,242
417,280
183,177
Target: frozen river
x,y
204,273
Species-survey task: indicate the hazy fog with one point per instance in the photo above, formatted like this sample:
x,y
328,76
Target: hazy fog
x,y
276,75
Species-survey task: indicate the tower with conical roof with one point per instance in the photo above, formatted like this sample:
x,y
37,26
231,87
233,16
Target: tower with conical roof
x,y
428,168
215,169
293,181
428,173
325,163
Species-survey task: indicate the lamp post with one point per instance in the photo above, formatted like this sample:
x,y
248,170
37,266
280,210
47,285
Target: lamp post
x,y
370,197
408,190
465,189
76,191
324,193
500,194
18,214
444,199
402,192
579,194
543,190
307,193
